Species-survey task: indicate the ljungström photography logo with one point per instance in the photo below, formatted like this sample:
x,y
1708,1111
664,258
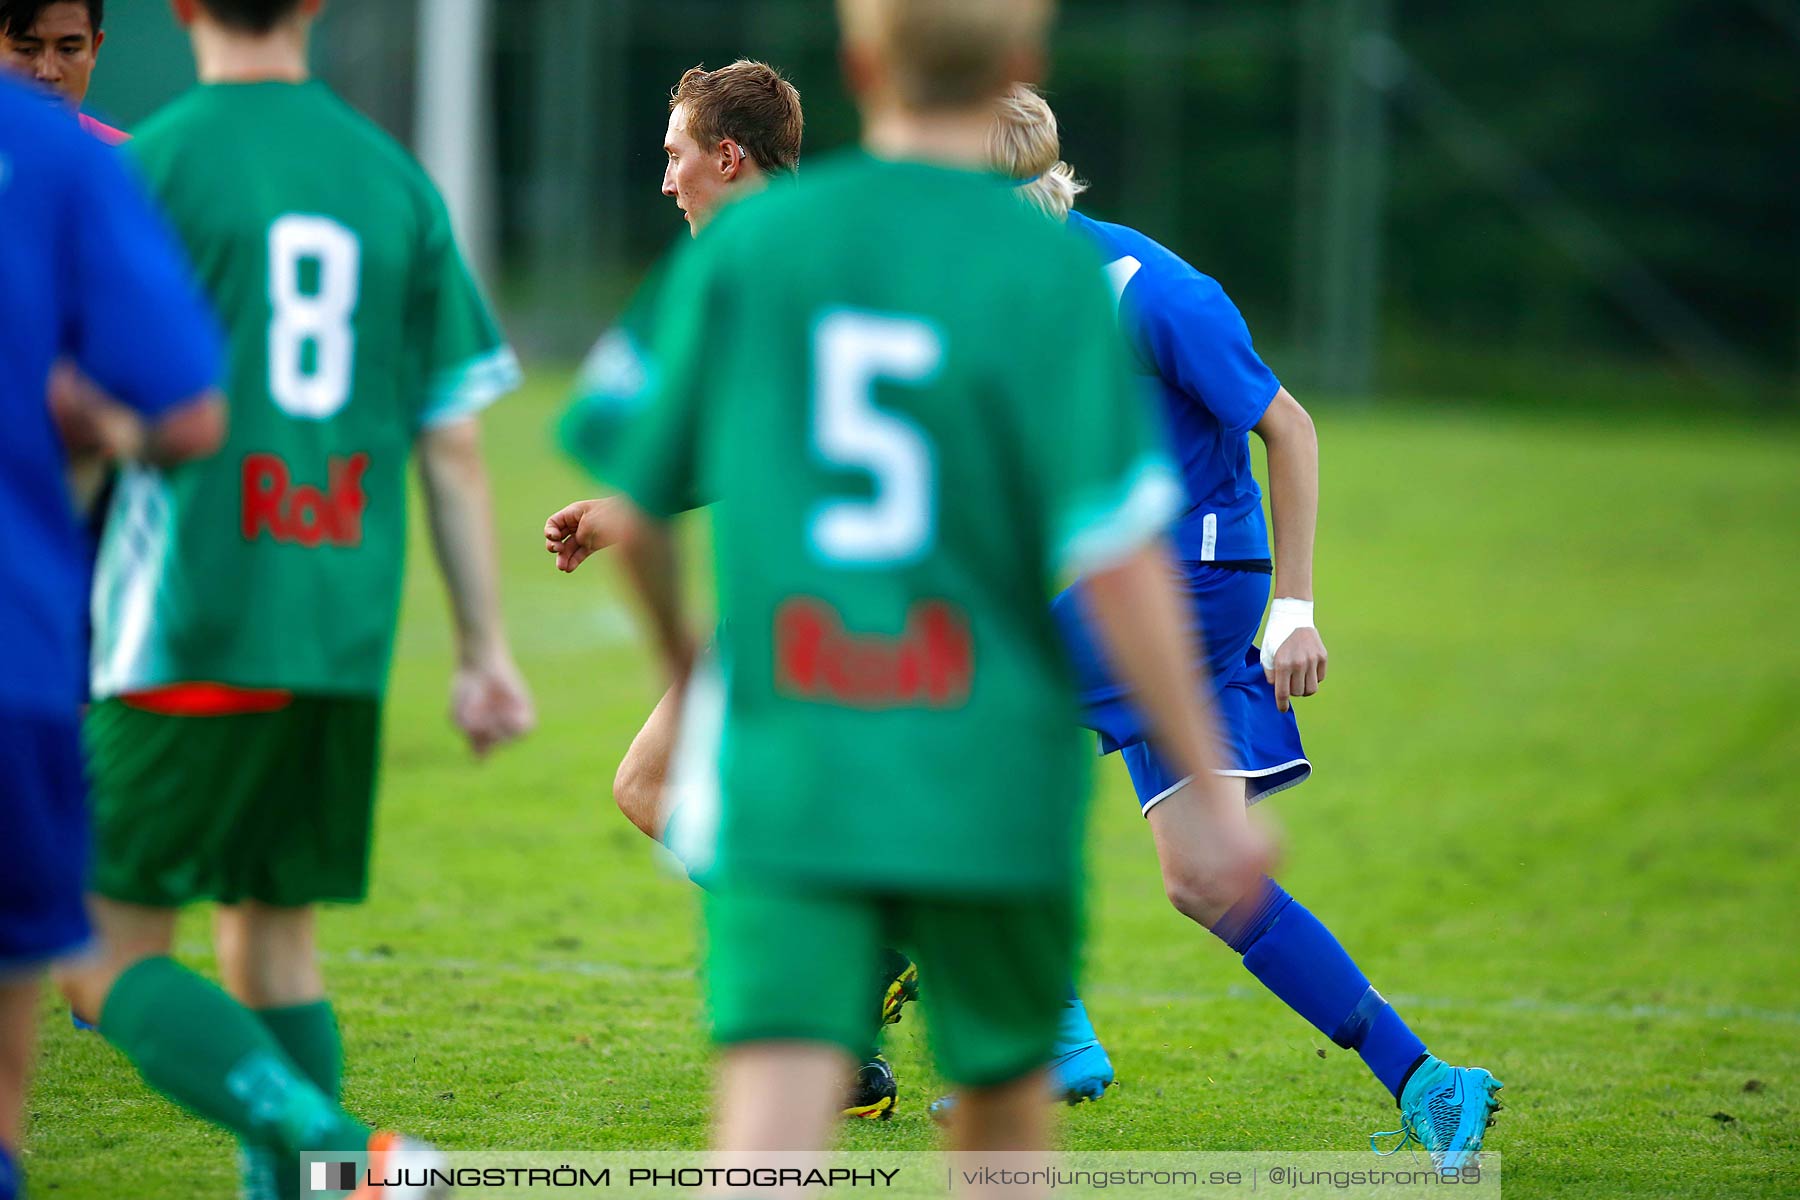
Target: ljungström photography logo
x,y
333,1177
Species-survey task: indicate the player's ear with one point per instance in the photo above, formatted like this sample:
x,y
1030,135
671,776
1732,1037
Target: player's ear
x,y
99,37
184,10
859,70
1026,65
731,159
309,9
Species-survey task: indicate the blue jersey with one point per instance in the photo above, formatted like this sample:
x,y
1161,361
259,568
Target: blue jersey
x,y
1190,341
90,273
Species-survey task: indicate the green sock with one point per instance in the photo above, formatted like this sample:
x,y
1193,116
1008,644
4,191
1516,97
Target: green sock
x,y
209,1054
309,1034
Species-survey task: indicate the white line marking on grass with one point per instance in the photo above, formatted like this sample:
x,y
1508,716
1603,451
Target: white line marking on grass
x,y
585,969
1525,1005
592,626
558,627
1518,1004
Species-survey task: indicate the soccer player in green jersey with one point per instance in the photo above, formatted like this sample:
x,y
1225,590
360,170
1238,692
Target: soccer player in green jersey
x,y
731,132
911,430
245,607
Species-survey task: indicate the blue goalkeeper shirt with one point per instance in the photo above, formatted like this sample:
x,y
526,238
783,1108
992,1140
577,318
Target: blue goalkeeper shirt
x,y
1191,343
90,273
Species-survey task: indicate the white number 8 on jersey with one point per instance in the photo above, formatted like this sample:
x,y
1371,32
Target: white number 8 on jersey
x,y
320,318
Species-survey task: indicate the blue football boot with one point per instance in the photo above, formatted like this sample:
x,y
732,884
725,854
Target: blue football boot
x,y
1079,1067
1447,1110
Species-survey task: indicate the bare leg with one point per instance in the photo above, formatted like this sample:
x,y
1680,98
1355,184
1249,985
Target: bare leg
x,y
1187,852
1012,1116
18,1027
638,785
780,1096
127,934
1011,1119
268,956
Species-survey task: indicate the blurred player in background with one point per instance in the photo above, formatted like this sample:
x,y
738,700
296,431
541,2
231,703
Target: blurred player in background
x,y
57,42
731,131
245,608
910,429
93,274
1187,337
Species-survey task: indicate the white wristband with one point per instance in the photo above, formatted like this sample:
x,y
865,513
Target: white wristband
x,y
1285,616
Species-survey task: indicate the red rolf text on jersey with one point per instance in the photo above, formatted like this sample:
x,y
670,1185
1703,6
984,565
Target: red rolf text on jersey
x,y
930,664
304,514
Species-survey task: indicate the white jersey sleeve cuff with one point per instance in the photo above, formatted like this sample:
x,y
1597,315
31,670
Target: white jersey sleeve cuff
x,y
1098,531
464,391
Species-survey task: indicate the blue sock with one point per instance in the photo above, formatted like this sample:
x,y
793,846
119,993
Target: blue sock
x,y
1073,1029
9,1177
1296,958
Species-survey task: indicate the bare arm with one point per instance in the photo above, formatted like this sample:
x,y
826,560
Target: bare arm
x,y
1293,655
575,532
1293,445
489,700
95,426
1138,614
194,430
646,547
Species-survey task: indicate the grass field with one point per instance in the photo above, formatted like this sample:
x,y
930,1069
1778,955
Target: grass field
x,y
1553,818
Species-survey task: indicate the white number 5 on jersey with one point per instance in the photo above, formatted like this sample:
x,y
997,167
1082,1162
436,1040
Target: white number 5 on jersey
x,y
853,351
319,318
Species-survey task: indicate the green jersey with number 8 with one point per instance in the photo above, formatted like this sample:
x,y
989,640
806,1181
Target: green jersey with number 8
x,y
906,394
354,326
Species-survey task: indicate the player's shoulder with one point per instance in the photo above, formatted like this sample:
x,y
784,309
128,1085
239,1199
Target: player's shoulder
x,y
1149,273
21,102
312,124
360,132
853,192
44,149
1154,262
308,112
368,152
23,113
168,124
783,214
789,200
33,124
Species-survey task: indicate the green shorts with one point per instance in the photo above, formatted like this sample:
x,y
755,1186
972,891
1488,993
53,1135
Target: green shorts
x,y
275,807
794,964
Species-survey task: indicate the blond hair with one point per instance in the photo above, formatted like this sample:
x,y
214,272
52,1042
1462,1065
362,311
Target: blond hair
x,y
947,54
1025,144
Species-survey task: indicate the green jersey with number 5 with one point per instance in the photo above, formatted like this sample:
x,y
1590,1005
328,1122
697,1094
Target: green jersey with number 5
x,y
354,326
907,396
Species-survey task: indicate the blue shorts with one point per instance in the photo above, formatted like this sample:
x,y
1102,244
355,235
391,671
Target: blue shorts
x,y
43,841
1261,743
